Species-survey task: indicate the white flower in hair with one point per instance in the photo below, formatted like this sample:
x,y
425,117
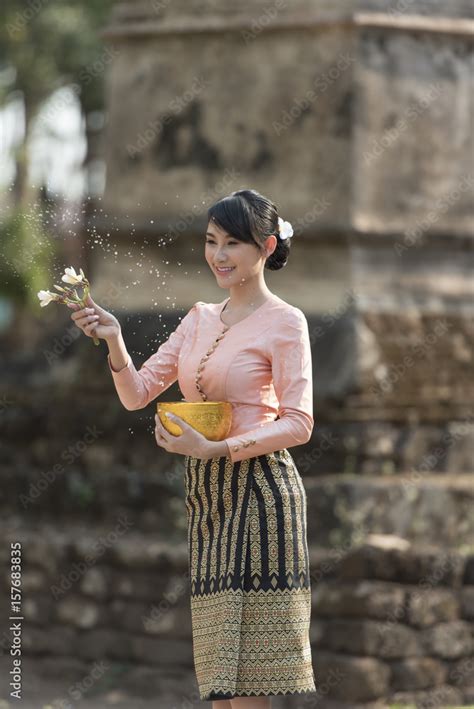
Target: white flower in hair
x,y
286,230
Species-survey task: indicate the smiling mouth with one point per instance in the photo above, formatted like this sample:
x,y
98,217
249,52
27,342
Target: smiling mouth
x,y
224,270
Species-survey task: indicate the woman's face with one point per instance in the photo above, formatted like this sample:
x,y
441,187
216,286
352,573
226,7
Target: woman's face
x,y
245,260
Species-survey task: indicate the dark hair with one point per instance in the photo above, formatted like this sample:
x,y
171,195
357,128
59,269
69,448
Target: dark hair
x,y
251,217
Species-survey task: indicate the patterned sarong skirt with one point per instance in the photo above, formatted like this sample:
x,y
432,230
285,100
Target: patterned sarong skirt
x,y
249,575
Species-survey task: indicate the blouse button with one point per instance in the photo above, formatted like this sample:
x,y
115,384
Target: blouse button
x,y
235,448
205,357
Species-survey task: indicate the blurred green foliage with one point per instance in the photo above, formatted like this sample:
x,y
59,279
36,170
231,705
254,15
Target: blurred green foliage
x,y
46,44
27,253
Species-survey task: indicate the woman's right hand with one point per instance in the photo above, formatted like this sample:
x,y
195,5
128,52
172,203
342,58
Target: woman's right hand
x,y
94,321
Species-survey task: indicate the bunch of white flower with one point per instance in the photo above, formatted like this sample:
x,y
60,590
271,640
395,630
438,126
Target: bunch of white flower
x,y
69,295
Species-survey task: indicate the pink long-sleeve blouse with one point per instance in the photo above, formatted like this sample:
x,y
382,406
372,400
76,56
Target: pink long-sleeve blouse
x,y
262,365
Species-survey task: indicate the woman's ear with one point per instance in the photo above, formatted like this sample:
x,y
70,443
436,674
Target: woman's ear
x,y
270,244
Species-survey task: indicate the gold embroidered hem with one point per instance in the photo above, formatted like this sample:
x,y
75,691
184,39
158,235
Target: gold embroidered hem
x,y
250,577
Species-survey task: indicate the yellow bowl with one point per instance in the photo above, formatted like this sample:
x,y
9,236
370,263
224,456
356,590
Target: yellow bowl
x,y
211,418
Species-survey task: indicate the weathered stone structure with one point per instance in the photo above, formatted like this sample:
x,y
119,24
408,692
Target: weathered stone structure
x,y
356,121
367,150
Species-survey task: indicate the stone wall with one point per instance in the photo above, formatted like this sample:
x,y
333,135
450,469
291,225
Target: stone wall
x,y
391,622
101,519
89,458
397,622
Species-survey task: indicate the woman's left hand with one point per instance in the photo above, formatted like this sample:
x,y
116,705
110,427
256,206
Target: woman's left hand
x,y
190,442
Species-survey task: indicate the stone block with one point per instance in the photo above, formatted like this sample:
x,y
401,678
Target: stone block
x,y
414,508
47,552
461,672
68,669
140,585
166,620
80,612
423,566
172,687
448,640
169,620
467,602
351,679
33,580
102,543
415,673
55,640
441,696
368,599
387,640
324,562
134,554
416,133
469,571
427,607
468,694
94,583
102,643
168,652
127,615
38,608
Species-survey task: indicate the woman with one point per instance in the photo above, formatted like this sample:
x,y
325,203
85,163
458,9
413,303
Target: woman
x,y
245,501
